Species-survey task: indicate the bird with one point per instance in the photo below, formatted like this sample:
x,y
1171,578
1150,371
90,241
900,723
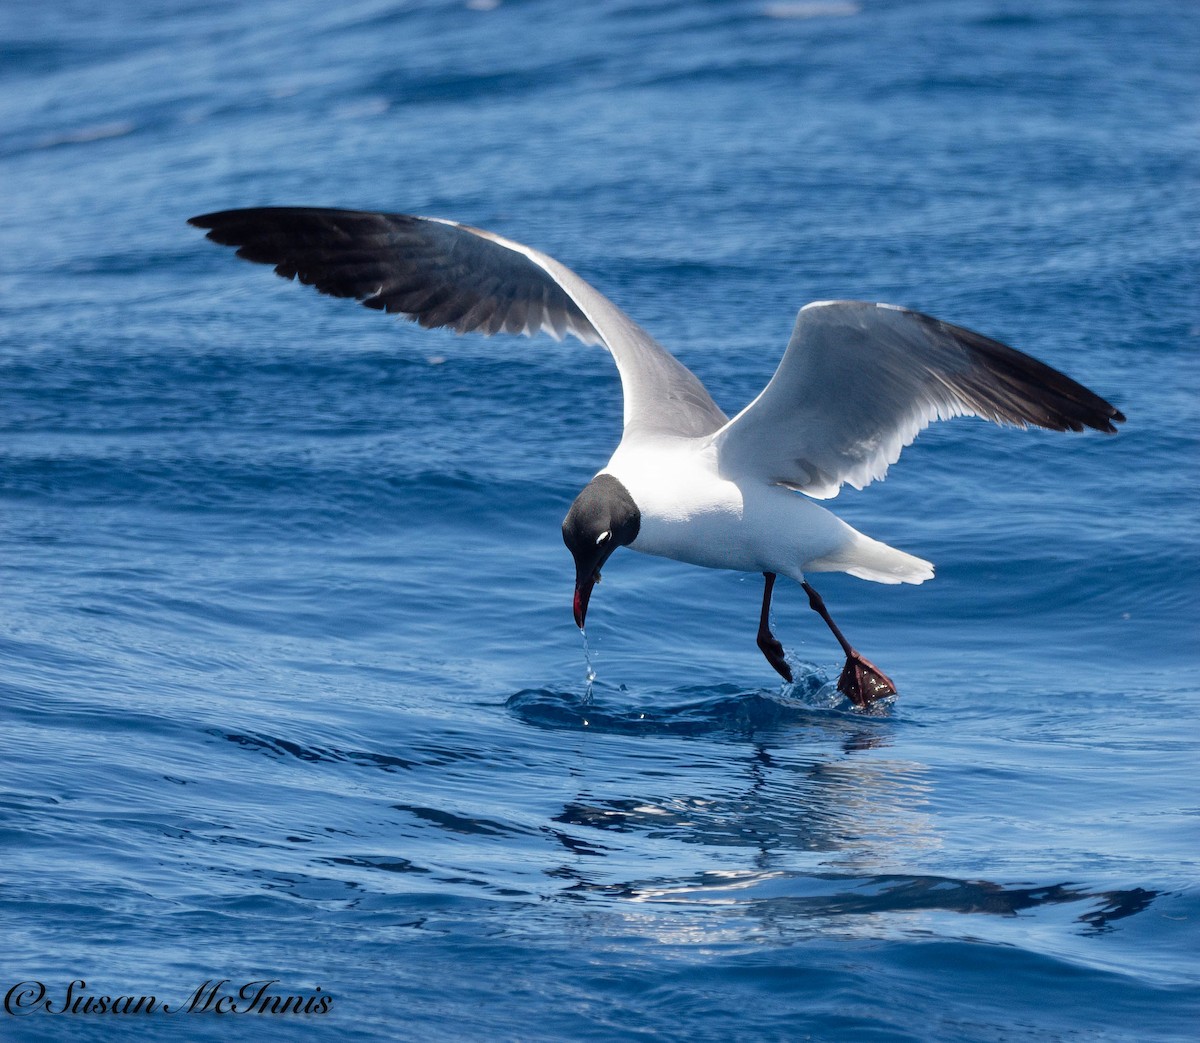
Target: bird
x,y
857,383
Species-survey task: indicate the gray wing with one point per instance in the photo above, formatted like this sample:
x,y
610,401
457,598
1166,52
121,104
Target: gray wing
x,y
860,381
441,273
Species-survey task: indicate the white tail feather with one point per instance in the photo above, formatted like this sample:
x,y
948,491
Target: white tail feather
x,y
869,559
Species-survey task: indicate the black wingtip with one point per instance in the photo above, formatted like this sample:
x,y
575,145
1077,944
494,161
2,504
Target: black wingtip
x,y
233,227
241,214
217,221
1104,421
1024,390
209,220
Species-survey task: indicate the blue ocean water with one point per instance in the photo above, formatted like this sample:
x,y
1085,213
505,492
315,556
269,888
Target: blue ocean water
x,y
289,684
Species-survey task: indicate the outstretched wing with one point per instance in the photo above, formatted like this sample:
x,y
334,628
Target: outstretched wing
x,y
859,382
441,273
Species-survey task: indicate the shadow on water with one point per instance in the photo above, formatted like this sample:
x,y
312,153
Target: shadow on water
x,y
782,898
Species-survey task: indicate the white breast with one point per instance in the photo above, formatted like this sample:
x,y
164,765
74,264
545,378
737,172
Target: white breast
x,y
690,513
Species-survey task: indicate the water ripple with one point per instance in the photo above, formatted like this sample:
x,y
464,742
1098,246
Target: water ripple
x,y
690,710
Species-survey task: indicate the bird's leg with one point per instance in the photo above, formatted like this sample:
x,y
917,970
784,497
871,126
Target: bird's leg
x,y
767,641
861,681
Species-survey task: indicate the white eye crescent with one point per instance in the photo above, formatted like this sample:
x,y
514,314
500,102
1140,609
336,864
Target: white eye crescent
x,y
604,537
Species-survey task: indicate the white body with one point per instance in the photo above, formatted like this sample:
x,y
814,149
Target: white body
x,y
690,513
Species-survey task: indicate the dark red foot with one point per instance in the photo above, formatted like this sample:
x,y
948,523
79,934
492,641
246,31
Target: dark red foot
x,y
773,650
862,682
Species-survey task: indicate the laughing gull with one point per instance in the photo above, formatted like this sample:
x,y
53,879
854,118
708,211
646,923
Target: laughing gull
x,y
857,383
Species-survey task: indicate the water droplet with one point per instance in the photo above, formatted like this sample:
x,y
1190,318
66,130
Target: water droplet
x,y
590,673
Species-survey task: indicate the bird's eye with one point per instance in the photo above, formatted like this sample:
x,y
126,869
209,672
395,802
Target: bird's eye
x,y
604,537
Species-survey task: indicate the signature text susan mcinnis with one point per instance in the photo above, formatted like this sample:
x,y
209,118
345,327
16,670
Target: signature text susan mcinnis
x,y
215,996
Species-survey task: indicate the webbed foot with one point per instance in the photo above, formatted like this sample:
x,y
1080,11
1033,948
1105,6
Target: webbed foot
x,y
862,682
773,650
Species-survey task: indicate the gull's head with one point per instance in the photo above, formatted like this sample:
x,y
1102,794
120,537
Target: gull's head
x,y
602,518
